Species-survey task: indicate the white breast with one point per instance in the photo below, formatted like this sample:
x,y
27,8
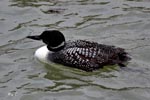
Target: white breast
x,y
42,54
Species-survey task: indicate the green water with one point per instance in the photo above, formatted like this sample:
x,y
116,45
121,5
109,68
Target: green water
x,y
124,23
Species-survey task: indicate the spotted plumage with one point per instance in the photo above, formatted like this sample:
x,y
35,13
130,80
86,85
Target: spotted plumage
x,y
88,56
81,54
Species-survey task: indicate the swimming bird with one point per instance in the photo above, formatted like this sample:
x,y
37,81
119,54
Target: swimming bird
x,y
81,54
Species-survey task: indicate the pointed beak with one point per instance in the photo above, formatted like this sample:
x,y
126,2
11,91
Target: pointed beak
x,y
36,37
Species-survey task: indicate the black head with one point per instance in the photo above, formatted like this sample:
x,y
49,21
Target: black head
x,y
54,39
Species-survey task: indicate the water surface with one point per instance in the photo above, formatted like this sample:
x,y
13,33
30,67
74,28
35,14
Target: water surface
x,y
124,23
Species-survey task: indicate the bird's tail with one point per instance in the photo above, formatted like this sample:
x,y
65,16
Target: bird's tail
x,y
124,58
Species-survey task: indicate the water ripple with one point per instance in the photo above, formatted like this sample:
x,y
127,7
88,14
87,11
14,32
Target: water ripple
x,y
123,23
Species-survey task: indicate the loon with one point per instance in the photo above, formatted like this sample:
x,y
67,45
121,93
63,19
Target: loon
x,y
81,54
